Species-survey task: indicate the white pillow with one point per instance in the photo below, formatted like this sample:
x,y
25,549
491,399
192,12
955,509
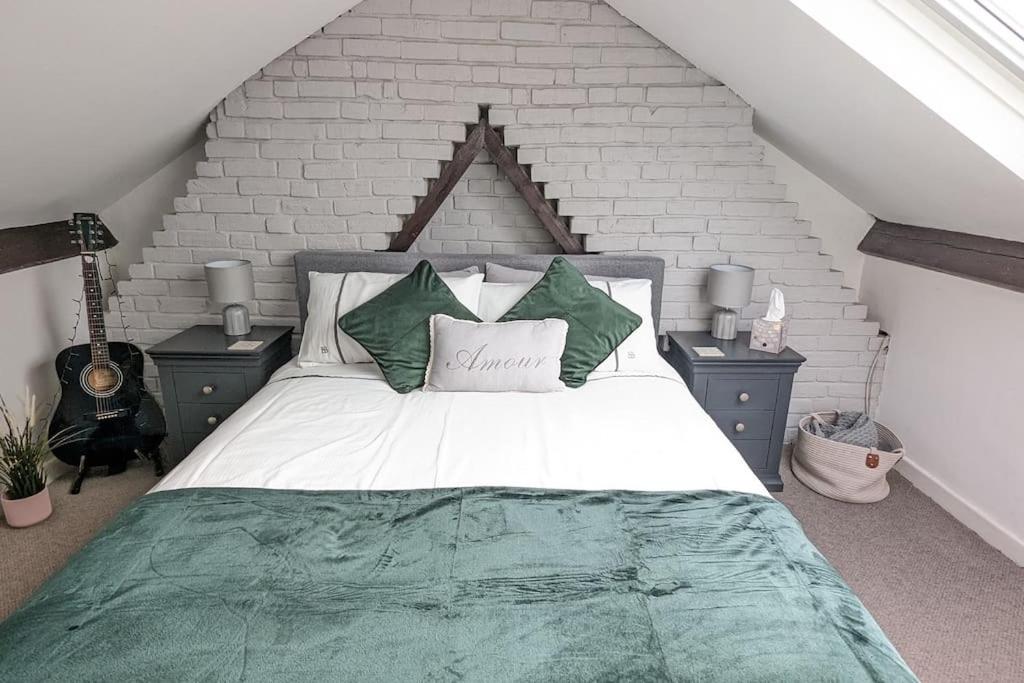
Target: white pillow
x,y
520,355
332,295
497,298
636,353
499,273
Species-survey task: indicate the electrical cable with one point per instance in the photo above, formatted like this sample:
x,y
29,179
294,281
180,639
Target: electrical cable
x,y
870,381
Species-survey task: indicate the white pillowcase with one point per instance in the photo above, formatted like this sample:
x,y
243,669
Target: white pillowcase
x,y
519,355
499,273
497,298
637,353
332,295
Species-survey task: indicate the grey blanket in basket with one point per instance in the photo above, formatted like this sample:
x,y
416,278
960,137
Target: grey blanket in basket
x,y
854,428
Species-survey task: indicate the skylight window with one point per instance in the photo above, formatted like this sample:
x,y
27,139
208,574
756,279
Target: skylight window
x,y
996,26
1009,14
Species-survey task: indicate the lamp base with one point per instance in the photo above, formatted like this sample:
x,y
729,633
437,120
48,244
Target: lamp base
x,y
723,324
236,320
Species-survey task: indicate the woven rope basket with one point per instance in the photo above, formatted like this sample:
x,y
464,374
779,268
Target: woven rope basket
x,y
852,474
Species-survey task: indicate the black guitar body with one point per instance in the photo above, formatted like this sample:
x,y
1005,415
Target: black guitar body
x,y
106,407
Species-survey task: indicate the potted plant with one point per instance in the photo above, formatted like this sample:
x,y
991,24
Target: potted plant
x,y
24,496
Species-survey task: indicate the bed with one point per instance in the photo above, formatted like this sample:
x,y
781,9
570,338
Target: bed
x,y
332,528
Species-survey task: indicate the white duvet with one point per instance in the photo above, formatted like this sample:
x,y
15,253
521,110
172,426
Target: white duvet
x,y
338,427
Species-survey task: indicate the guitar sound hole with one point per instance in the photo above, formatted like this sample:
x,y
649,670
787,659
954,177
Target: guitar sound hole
x,y
102,380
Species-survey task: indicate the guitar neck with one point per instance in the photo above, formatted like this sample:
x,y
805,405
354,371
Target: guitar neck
x,y
93,291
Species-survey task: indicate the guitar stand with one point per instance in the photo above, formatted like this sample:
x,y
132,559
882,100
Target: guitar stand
x,y
83,469
158,461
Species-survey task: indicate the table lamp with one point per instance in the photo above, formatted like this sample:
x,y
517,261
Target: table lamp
x,y
230,282
729,288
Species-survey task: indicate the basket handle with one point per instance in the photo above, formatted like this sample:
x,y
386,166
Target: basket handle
x,y
817,419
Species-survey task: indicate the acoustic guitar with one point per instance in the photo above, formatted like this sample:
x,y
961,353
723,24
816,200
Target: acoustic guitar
x,y
103,401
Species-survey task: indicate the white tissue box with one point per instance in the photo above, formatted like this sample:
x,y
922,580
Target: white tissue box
x,y
768,335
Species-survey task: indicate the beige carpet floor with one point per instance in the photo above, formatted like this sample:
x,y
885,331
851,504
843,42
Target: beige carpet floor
x,y
952,605
28,556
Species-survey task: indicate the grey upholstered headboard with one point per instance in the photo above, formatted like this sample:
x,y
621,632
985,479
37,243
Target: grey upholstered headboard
x,y
633,266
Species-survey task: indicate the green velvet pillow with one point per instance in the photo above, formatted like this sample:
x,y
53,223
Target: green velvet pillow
x,y
597,325
394,326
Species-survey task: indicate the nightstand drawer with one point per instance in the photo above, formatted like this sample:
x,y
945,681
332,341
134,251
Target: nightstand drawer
x,y
744,424
210,387
754,452
734,393
204,418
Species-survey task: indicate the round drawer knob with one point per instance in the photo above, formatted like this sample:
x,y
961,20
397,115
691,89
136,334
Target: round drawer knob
x,y
744,397
208,389
740,427
212,420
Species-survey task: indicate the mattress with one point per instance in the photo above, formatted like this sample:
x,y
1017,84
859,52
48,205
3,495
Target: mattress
x,y
340,427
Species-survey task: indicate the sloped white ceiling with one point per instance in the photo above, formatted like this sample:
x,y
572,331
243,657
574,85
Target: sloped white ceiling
x,y
840,117
97,96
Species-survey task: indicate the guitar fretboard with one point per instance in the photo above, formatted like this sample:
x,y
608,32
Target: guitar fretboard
x,y
93,290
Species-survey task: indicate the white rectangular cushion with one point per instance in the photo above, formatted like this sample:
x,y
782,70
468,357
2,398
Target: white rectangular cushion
x,y
637,353
519,355
332,295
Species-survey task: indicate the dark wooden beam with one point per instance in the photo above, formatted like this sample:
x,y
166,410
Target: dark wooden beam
x,y
440,188
990,260
506,160
33,245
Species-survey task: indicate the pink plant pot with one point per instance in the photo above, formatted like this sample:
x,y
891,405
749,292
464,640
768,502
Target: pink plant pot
x,y
27,511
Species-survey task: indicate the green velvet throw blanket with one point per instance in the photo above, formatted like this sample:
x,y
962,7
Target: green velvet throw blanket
x,y
445,585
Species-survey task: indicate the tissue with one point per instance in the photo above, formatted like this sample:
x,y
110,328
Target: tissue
x,y
776,306
769,333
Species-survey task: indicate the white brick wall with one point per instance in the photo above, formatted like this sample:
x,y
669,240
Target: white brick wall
x,y
330,144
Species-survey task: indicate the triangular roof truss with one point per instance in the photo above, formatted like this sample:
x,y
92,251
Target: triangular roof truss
x,y
482,135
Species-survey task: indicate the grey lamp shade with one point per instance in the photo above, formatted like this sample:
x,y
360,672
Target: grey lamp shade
x,y
230,282
729,285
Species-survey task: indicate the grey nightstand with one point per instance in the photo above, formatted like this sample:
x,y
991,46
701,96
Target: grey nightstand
x,y
202,382
745,392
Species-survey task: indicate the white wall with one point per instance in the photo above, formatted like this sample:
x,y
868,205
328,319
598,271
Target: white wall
x,y
839,223
41,301
136,216
952,392
328,146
